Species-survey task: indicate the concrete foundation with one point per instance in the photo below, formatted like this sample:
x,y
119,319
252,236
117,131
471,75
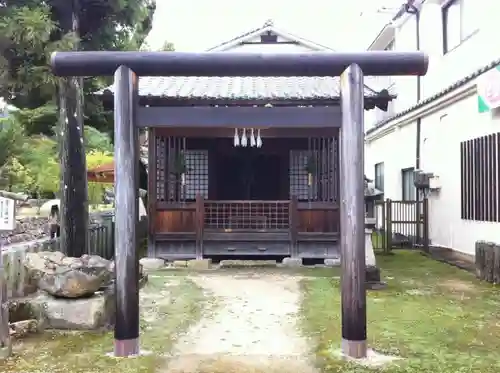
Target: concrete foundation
x,y
333,262
199,264
292,262
373,359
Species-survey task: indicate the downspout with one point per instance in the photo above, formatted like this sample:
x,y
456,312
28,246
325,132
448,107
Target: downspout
x,y
412,9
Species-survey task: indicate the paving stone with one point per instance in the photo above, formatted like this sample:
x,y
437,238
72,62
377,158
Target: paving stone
x,y
199,263
292,262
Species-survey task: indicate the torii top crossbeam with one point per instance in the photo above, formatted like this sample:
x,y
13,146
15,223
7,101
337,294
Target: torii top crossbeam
x,y
375,63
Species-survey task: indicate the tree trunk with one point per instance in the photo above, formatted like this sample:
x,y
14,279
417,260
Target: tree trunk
x,y
74,199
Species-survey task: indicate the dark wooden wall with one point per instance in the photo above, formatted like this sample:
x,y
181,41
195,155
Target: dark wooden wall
x,y
175,215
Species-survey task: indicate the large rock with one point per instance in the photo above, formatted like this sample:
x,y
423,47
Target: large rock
x,y
68,277
91,313
24,318
152,264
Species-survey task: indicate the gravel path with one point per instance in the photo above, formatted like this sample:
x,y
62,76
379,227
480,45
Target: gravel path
x,y
254,328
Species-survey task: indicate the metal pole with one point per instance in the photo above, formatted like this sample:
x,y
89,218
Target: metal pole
x,y
352,224
127,213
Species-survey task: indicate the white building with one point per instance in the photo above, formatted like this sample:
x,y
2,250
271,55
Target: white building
x,y
445,129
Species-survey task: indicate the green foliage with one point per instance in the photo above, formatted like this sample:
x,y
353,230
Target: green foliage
x,y
97,141
37,121
11,145
30,30
168,47
97,158
42,165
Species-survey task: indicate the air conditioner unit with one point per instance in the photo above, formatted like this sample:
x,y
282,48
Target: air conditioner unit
x,y
421,180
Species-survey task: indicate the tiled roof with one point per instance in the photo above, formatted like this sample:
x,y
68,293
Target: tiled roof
x,y
428,100
241,88
250,88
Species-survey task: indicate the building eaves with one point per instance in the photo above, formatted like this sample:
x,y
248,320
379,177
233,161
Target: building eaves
x,y
441,93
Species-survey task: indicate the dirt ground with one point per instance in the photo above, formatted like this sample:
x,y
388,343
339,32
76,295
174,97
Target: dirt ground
x,y
254,328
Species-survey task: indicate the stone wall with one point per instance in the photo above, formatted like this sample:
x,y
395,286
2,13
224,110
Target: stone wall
x,y
27,229
18,282
101,242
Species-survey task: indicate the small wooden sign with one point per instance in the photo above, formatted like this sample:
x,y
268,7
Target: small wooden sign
x,y
7,214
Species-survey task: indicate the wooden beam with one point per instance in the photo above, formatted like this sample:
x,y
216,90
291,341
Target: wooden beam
x,y
127,214
352,215
268,133
249,117
377,63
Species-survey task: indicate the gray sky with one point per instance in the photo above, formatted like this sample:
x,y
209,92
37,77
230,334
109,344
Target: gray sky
x,y
196,25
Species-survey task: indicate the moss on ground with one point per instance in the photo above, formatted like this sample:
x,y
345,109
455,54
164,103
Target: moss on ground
x,y
439,318
168,307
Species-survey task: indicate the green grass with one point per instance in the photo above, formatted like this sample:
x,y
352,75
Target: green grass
x,y
438,318
168,306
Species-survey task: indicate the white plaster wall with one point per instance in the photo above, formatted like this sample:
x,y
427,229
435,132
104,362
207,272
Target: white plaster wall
x,y
478,50
397,151
405,86
442,133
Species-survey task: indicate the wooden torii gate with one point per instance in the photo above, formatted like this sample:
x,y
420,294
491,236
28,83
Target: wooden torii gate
x,y
128,66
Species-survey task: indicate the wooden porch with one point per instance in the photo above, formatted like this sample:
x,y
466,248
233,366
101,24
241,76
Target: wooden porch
x,y
282,228
279,200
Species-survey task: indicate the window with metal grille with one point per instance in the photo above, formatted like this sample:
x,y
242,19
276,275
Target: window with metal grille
x,y
480,174
408,178
379,176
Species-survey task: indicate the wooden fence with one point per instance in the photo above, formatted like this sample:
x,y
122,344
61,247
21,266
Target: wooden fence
x,y
401,225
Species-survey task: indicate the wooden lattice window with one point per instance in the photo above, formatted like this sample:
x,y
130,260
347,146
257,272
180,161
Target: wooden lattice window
x,y
314,173
299,177
197,174
161,168
328,170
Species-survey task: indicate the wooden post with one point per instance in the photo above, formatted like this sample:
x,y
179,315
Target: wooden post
x,y
152,180
384,226
388,232
5,342
425,222
127,213
352,216
293,216
73,192
200,225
